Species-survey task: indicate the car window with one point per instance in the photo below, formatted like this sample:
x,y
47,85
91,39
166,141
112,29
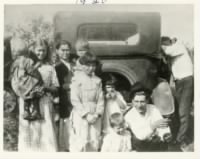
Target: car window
x,y
110,33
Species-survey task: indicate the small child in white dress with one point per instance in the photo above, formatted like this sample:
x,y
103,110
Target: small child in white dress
x,y
113,100
118,139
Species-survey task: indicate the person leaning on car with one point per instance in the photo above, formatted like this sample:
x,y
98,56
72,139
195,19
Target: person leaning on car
x,y
182,70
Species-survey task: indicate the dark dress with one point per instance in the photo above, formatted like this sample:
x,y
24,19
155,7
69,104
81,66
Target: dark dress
x,y
64,77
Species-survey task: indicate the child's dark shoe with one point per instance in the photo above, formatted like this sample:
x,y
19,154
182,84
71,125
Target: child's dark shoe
x,y
35,116
26,115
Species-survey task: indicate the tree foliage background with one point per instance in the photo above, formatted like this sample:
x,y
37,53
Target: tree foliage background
x,y
31,29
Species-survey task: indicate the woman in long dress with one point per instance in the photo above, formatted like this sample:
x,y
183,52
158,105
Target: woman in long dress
x,y
40,135
88,107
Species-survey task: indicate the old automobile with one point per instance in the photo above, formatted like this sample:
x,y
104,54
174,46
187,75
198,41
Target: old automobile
x,y
126,41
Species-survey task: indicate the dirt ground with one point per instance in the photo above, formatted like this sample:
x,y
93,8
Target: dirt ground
x,y
10,136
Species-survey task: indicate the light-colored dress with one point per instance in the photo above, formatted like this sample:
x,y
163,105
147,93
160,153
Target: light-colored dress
x,y
112,106
86,97
40,135
114,142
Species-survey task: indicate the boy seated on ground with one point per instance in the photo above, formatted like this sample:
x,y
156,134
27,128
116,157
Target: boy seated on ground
x,y
118,139
25,79
150,130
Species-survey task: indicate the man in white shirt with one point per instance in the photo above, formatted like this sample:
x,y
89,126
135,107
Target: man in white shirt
x,y
150,129
182,70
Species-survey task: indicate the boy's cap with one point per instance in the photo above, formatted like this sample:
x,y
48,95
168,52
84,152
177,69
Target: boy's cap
x,y
88,59
82,44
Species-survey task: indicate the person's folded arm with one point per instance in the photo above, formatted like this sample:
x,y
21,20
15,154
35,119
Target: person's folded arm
x,y
174,51
76,100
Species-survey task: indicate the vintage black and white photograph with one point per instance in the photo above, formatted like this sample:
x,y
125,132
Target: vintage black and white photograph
x,y
98,78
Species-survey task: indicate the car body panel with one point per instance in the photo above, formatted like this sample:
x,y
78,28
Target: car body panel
x,y
69,23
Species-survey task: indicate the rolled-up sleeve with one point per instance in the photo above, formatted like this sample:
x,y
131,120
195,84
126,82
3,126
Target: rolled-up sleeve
x,y
175,50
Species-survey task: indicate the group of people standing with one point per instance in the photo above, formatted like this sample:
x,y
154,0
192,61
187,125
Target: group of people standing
x,y
67,107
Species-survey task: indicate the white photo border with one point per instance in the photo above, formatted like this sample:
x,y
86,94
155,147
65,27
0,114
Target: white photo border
x,y
131,155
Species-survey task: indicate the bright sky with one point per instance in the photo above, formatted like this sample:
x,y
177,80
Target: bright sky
x,y
177,20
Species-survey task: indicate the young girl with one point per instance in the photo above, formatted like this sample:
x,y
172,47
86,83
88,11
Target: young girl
x,y
113,100
88,107
118,138
39,135
82,47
